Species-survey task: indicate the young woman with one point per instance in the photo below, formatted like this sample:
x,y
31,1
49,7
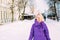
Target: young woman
x,y
39,30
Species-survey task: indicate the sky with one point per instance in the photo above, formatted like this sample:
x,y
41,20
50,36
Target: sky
x,y
41,5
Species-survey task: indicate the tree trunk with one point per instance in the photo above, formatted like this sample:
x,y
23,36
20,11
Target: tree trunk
x,y
12,11
55,11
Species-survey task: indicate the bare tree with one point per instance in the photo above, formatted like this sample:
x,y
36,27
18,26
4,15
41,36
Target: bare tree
x,y
53,7
22,5
12,11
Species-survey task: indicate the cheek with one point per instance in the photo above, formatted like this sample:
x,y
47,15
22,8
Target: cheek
x,y
38,17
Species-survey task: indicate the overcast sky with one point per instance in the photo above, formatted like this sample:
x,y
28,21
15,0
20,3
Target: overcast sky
x,y
40,5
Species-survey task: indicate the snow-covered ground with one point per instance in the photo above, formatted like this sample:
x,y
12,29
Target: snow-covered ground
x,y
54,29
19,30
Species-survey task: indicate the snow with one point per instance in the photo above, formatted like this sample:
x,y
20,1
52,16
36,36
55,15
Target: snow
x,y
20,30
54,29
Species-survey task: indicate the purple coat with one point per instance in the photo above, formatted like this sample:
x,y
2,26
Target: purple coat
x,y
39,31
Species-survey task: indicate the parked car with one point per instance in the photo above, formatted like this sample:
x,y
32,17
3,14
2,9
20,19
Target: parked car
x,y
51,16
31,16
28,16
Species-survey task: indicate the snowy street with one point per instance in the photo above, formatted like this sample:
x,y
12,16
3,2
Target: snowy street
x,y
12,10
20,30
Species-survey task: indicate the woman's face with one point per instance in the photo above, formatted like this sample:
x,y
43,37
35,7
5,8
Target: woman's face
x,y
39,17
